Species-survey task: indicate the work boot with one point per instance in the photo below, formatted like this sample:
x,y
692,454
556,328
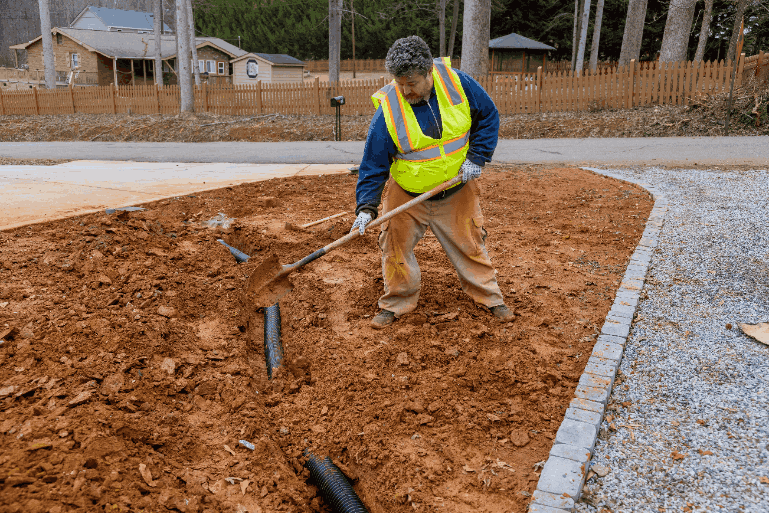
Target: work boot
x,y
382,319
503,313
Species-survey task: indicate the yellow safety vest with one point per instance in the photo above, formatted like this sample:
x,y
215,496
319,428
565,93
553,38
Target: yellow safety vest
x,y
422,162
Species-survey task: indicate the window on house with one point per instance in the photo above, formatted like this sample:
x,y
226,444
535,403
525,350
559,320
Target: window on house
x,y
58,39
221,68
211,67
75,60
201,67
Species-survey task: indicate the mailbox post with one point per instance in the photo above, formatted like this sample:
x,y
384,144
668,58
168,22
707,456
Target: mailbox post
x,y
337,102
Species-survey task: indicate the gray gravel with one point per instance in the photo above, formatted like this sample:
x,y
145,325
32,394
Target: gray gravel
x,y
691,385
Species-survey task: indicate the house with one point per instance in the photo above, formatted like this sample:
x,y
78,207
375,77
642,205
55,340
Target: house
x,y
267,68
514,53
116,20
104,57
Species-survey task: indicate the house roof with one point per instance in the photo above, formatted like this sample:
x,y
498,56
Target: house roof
x,y
120,18
279,59
131,45
518,42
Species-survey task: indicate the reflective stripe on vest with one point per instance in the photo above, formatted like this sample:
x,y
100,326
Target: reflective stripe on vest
x,y
394,110
434,152
447,81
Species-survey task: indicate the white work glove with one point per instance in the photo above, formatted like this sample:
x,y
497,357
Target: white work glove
x,y
361,221
470,170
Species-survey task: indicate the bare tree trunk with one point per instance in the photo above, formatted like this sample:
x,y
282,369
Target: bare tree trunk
x,y
158,19
678,26
334,39
48,61
193,41
704,30
453,36
575,33
634,31
583,38
475,37
741,6
442,27
184,58
596,35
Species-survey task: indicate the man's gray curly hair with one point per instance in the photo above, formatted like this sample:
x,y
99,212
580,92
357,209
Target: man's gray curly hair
x,y
408,56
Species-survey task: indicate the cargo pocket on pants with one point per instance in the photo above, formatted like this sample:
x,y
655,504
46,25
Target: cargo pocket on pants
x,y
383,234
479,235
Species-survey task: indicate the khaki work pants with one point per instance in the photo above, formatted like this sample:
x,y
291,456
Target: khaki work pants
x,y
457,223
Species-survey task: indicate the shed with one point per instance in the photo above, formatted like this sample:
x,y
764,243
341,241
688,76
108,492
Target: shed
x,y
269,68
514,53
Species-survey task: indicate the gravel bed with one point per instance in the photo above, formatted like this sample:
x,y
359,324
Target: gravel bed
x,y
687,427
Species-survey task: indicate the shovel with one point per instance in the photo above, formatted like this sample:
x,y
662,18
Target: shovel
x,y
269,281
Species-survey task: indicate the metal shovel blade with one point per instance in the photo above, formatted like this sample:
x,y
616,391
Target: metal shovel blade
x,y
268,283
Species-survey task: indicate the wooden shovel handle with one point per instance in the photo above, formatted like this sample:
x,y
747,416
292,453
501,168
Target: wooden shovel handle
x,y
379,220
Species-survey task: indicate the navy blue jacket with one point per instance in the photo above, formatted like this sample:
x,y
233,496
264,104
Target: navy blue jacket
x,y
380,148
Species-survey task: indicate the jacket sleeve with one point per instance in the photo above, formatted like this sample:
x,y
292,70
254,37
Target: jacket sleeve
x,y
374,168
484,132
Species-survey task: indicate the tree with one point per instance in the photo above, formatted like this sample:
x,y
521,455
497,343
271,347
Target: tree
x,y
157,9
583,37
634,29
453,35
596,35
193,41
441,6
48,61
704,30
738,17
475,37
575,34
183,59
678,25
334,39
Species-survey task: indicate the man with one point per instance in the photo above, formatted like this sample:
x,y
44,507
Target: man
x,y
431,124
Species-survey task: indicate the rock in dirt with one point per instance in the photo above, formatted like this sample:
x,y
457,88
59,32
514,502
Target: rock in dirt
x,y
166,311
9,333
146,475
113,383
6,391
168,366
402,359
81,398
600,470
519,437
759,331
415,406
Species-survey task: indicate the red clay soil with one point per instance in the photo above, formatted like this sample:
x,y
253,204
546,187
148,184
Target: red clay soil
x,y
131,368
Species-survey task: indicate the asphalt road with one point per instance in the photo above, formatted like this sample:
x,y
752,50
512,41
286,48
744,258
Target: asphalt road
x,y
709,151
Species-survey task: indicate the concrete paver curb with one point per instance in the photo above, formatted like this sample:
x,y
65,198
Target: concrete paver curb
x,y
563,476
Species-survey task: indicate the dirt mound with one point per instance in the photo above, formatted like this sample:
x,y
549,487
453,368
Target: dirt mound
x,y
130,370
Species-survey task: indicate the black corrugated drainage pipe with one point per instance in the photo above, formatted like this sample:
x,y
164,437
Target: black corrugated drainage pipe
x,y
334,486
273,349
240,257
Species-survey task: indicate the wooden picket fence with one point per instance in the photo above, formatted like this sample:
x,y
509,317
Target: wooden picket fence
x,y
635,85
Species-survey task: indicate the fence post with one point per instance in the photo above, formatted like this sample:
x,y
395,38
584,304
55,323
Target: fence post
x,y
2,103
205,96
740,69
259,97
37,103
72,96
539,89
113,93
157,98
317,96
631,84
